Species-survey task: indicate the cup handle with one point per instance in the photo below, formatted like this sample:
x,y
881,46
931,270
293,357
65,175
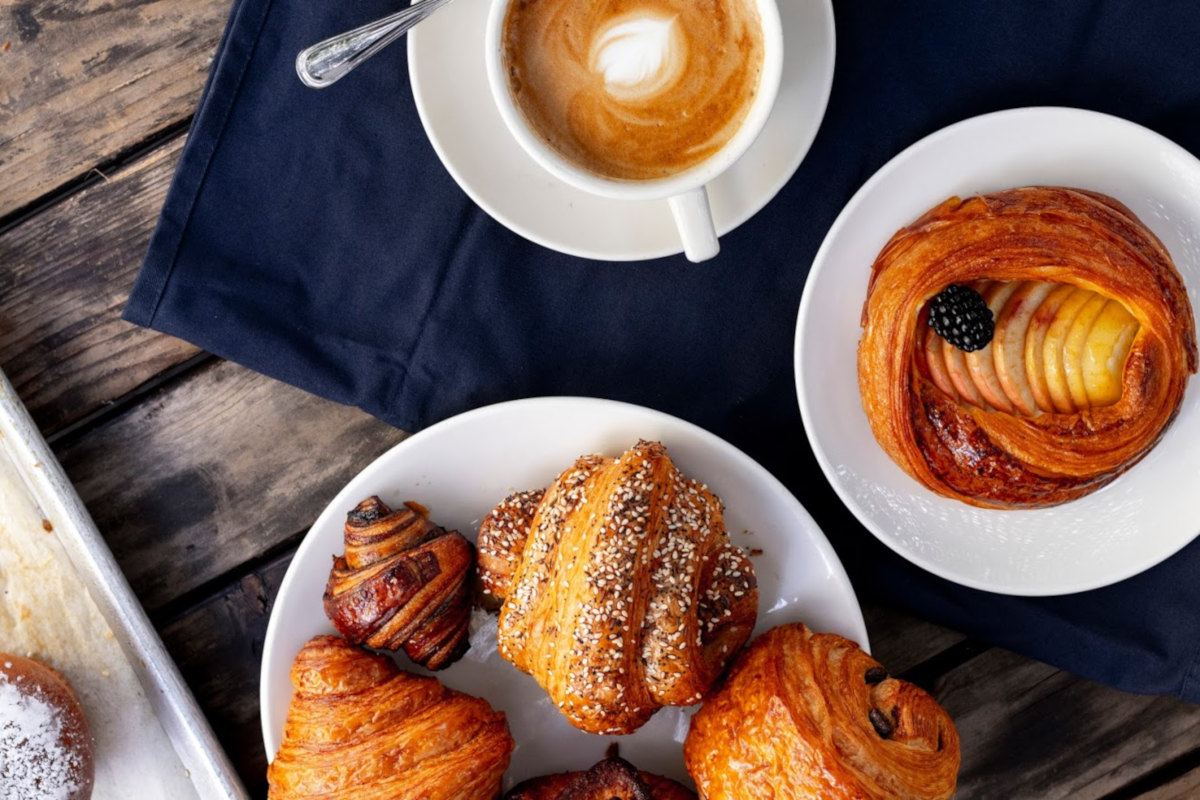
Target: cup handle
x,y
694,220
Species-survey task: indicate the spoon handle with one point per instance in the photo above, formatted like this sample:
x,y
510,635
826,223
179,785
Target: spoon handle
x,y
328,60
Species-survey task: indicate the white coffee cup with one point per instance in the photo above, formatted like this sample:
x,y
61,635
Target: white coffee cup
x,y
686,190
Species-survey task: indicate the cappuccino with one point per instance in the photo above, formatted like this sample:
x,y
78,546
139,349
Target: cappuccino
x,y
633,89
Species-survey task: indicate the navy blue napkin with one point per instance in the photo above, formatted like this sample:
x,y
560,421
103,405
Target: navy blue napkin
x,y
316,237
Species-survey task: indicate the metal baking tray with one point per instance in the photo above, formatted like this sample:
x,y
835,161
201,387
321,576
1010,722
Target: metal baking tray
x,y
207,766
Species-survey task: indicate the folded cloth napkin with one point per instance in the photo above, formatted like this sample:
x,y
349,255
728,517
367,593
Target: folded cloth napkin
x,y
316,237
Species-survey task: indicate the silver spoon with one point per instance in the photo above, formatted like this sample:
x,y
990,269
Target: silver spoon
x,y
326,61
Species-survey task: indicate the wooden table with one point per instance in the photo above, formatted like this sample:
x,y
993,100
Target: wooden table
x,y
203,476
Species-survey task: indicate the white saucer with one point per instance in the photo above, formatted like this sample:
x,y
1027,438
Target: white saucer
x,y
463,466
449,83
1141,518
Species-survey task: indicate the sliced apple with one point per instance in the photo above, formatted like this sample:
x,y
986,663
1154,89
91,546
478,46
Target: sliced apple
x,y
1052,349
960,374
1105,351
1008,344
1072,351
1035,337
981,362
935,362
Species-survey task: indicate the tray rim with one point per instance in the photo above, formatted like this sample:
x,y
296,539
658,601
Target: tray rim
x,y
193,739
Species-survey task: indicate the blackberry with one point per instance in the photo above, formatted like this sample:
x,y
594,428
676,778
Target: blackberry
x,y
960,316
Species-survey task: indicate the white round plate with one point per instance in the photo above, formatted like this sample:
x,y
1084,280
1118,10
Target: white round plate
x,y
459,469
1141,518
449,83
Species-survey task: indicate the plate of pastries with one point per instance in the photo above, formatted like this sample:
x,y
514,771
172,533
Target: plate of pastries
x,y
995,351
578,598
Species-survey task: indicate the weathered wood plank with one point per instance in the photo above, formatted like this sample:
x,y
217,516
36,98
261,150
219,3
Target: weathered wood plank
x,y
66,275
218,645
901,642
1186,787
85,81
213,471
1029,730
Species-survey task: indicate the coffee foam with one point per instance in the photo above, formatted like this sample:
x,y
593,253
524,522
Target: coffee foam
x,y
639,56
634,89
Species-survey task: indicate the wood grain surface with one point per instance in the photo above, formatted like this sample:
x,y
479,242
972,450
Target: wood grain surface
x,y
85,81
203,476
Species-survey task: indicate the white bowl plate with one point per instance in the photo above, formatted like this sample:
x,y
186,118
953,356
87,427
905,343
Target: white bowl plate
x,y
1141,518
459,469
449,83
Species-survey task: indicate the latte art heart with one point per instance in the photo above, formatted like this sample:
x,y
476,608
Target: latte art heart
x,y
640,56
633,89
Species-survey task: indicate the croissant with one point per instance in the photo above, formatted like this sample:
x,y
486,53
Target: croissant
x,y
621,590
1093,344
613,778
359,728
805,714
402,583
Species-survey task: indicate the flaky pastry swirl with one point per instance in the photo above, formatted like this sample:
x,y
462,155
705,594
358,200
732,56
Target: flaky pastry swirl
x,y
805,715
359,728
403,583
1056,235
614,778
621,590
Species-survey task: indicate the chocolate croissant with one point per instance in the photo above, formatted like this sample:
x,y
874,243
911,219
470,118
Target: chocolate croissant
x,y
403,583
1093,341
613,778
621,590
359,728
805,714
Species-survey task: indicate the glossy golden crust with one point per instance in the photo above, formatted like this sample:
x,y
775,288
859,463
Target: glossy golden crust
x,y
403,583
611,779
1050,234
358,728
627,595
805,715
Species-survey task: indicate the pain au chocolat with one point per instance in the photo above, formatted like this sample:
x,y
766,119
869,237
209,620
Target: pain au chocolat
x,y
621,590
808,715
1094,341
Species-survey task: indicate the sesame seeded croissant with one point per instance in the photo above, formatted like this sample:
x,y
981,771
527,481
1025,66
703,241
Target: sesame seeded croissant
x,y
621,590
402,584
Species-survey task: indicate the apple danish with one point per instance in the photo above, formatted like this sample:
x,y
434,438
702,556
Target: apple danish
x,y
805,714
621,590
1083,362
403,583
360,728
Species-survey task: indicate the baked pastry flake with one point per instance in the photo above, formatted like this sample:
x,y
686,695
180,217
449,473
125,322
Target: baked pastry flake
x,y
1093,346
614,778
621,591
46,747
359,728
805,715
403,583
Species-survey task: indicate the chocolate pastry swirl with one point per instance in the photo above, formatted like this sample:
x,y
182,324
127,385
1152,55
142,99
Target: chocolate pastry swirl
x,y
805,714
1093,347
403,583
614,778
621,590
